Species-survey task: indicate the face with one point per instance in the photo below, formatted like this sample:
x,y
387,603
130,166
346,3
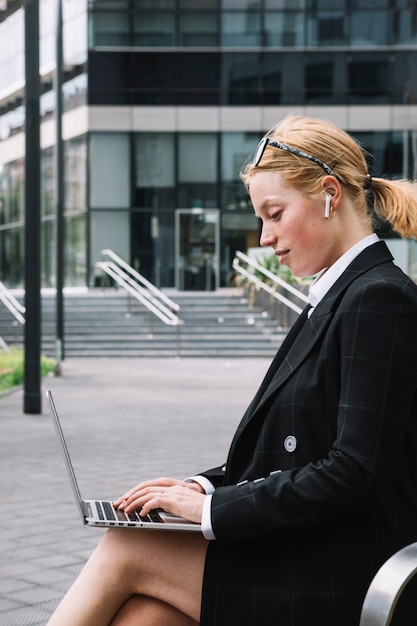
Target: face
x,y
293,226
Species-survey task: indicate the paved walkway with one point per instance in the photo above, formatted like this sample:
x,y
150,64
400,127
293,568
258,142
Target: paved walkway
x,y
125,420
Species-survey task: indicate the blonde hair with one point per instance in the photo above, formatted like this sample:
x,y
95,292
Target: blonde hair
x,y
394,200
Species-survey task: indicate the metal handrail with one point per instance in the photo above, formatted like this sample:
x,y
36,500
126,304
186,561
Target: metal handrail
x,y
10,302
278,282
387,586
140,288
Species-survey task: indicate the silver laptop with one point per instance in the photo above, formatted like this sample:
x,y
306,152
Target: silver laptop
x,y
102,513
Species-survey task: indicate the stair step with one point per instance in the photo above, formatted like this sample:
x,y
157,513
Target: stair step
x,y
99,324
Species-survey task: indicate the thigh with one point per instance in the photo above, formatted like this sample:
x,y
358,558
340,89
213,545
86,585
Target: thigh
x,y
143,610
168,566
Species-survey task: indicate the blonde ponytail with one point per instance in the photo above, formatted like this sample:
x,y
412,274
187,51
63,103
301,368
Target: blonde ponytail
x,y
396,202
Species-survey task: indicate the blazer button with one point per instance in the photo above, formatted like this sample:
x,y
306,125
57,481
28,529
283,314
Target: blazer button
x,y
290,443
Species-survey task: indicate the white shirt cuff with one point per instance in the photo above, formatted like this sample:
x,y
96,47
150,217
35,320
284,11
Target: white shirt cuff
x,y
204,482
206,528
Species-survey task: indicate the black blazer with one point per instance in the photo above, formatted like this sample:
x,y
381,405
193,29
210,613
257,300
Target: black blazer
x,y
320,485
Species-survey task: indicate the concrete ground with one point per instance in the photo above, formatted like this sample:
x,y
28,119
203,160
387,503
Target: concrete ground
x,y
125,420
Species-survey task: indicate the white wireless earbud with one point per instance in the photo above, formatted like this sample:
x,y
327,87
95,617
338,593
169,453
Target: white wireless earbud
x,y
328,198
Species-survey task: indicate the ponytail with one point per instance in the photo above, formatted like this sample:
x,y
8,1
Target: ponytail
x,y
396,202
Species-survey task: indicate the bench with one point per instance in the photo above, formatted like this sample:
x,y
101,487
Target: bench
x,y
387,586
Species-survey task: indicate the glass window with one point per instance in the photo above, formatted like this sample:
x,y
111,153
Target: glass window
x,y
371,4
75,152
153,77
404,78
197,170
109,229
371,28
404,25
283,78
320,5
284,28
12,247
241,29
247,5
12,192
240,231
12,50
287,4
154,5
154,29
108,78
153,246
110,28
325,78
241,78
198,29
109,170
326,28
198,78
47,182
370,78
154,170
202,5
76,250
236,150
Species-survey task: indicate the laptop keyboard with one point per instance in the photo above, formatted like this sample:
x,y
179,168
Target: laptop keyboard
x,y
106,511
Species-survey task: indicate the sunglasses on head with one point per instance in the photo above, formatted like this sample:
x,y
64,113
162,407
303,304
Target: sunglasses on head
x,y
266,141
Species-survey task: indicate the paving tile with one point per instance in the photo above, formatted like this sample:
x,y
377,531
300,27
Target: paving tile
x,y
125,420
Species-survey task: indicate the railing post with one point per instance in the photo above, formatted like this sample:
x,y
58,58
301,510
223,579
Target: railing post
x,y
179,340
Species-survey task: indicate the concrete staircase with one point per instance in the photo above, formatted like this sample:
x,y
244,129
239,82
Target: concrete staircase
x,y
109,323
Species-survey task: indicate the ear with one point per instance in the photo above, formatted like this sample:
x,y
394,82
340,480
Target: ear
x,y
330,185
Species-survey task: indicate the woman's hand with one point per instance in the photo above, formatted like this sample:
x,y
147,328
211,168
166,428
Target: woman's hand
x,y
184,499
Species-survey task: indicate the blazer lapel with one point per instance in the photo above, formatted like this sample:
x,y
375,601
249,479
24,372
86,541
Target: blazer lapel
x,y
307,334
303,337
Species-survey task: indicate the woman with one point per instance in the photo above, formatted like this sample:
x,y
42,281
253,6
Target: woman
x,y
319,486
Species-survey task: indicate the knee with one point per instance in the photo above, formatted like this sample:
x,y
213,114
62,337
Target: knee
x,y
114,549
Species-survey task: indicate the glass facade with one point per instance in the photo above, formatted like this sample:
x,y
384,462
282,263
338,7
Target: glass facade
x,y
158,198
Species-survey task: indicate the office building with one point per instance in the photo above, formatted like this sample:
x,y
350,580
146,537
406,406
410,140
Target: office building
x,y
163,100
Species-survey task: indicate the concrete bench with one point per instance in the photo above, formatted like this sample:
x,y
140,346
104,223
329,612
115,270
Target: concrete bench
x,y
387,586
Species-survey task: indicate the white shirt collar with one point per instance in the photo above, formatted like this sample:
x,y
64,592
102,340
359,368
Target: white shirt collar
x,y
327,277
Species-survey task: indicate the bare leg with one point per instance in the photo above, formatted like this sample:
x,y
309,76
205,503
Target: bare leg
x,y
142,610
165,566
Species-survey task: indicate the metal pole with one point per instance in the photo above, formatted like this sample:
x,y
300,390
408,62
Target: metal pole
x,y
59,186
32,370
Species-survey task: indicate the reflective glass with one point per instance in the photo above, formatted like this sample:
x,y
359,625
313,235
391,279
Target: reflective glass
x,y
246,5
327,28
325,78
75,155
404,78
241,29
404,25
76,250
241,78
283,78
47,182
371,28
284,29
110,28
370,78
109,170
154,170
197,170
198,29
153,246
154,29
236,150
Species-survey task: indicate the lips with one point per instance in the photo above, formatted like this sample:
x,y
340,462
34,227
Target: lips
x,y
281,253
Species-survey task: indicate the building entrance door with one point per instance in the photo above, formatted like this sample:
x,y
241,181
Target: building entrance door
x,y
197,249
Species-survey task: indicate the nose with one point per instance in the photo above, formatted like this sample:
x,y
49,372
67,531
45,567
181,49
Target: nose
x,y
267,237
